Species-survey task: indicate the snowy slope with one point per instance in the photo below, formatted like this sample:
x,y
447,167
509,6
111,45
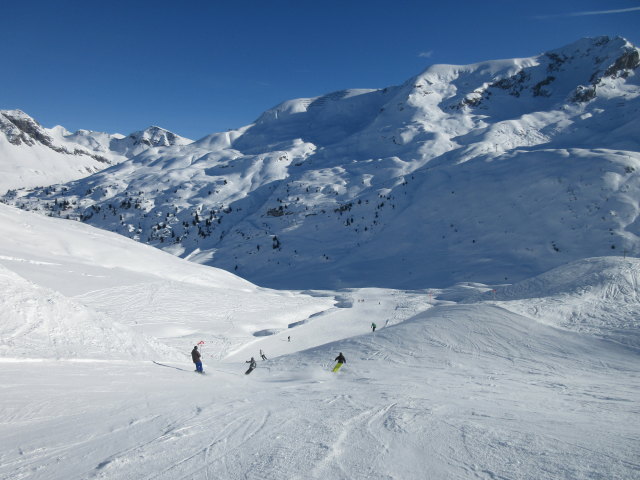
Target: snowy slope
x,y
41,323
119,147
66,282
31,155
488,171
597,296
460,391
422,184
469,381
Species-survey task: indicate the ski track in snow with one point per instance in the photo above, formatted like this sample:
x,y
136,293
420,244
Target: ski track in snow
x,y
483,394
519,382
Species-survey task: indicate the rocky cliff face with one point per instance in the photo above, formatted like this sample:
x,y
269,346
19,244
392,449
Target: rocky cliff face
x,y
21,129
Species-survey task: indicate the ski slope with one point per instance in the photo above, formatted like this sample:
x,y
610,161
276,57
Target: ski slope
x,y
470,381
113,278
458,392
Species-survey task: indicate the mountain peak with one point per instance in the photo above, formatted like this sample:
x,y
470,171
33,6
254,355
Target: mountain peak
x,y
608,55
20,128
33,155
155,136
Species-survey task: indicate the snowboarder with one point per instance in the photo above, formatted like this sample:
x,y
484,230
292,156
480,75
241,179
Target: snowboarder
x,y
262,355
195,355
341,360
373,327
252,366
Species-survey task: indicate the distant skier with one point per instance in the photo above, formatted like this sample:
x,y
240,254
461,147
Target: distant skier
x,y
289,338
195,355
252,365
373,327
262,355
341,360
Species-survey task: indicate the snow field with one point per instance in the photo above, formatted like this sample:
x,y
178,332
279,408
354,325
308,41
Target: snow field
x,y
41,323
460,391
456,383
597,296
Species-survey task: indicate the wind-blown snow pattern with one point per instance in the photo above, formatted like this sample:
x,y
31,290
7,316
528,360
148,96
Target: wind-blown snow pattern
x,y
502,202
416,185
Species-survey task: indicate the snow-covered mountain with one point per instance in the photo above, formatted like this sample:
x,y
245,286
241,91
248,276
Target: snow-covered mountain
x,y
31,155
120,147
489,172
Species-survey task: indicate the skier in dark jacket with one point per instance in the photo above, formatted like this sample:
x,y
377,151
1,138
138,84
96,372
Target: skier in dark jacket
x,y
195,355
252,365
341,360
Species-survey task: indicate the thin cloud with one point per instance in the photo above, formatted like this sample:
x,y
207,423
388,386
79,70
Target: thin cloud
x,y
595,12
426,54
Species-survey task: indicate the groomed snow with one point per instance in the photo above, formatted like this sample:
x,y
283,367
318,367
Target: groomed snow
x,y
470,381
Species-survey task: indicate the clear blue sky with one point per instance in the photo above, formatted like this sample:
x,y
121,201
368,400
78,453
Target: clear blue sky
x,y
197,67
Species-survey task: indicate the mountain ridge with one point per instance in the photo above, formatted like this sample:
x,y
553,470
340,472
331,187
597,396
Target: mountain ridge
x,y
490,172
32,155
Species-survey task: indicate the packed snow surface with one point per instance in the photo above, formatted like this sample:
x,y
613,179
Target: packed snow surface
x,y
469,381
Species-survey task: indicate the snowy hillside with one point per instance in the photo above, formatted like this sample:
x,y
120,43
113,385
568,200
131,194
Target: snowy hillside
x,y
502,197
41,323
467,381
489,172
31,155
70,290
118,146
597,296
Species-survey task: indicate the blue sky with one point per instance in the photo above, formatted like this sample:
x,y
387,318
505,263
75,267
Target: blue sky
x,y
197,67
